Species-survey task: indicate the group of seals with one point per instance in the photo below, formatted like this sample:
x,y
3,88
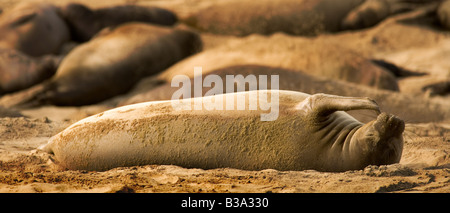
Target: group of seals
x,y
419,109
111,63
31,33
37,28
317,57
309,133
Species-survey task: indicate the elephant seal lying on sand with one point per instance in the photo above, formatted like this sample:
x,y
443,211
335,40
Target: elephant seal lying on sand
x,y
110,65
309,132
408,107
296,17
314,56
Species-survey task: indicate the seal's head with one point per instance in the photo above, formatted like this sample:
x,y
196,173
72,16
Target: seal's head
x,y
379,142
80,20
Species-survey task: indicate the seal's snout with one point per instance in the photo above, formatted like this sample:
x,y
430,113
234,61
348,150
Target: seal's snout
x,y
389,125
388,148
380,142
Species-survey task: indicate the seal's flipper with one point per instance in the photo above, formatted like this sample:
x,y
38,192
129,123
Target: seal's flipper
x,y
28,98
324,104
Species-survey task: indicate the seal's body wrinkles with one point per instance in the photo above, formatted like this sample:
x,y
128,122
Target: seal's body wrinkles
x,y
310,133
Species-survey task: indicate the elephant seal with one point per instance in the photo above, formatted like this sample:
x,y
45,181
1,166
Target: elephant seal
x,y
19,71
310,132
296,17
111,64
413,108
84,22
314,56
33,28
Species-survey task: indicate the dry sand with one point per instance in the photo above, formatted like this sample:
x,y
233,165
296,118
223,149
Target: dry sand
x,y
424,167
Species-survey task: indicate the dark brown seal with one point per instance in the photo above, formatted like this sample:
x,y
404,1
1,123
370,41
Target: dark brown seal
x,y
33,28
297,17
19,71
111,64
84,22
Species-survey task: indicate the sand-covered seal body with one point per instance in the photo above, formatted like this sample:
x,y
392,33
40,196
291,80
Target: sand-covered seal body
x,y
309,133
406,106
33,28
